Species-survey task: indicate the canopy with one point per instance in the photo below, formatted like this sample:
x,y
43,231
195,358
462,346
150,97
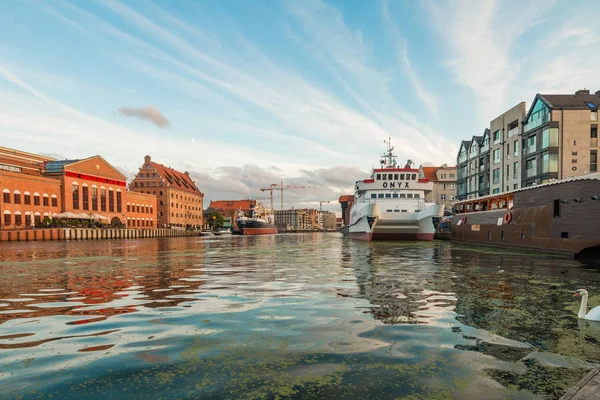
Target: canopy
x,y
67,215
98,216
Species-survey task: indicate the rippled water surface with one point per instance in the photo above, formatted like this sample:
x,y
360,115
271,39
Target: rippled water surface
x,y
289,316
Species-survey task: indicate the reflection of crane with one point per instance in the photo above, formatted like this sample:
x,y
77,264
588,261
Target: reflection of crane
x,y
280,187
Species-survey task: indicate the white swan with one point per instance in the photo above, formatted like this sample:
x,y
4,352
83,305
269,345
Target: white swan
x,y
594,314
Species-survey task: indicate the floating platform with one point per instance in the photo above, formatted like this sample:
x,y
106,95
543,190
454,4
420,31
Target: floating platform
x,y
587,389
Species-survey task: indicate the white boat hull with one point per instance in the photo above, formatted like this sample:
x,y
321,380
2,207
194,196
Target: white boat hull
x,y
370,223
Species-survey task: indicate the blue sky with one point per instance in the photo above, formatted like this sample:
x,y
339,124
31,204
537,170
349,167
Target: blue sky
x,y
247,93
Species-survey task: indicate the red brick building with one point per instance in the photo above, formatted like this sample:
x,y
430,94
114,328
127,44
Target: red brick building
x,y
36,187
179,201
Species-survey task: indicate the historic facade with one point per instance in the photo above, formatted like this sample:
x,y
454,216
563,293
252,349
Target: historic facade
x,y
179,201
444,184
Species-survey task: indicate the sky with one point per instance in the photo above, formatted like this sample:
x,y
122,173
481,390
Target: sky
x,y
243,94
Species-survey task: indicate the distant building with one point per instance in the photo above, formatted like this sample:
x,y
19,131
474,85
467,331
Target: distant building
x,y
505,157
299,219
327,220
229,209
179,199
560,137
444,184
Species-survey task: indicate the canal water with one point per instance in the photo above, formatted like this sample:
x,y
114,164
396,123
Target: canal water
x,y
313,316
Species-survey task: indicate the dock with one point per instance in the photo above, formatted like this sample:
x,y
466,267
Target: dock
x,y
588,388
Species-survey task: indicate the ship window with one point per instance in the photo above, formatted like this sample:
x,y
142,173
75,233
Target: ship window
x,y
384,177
388,195
502,236
414,177
395,195
409,195
401,177
402,195
564,235
388,210
403,210
380,195
373,195
395,177
417,195
396,210
556,208
378,176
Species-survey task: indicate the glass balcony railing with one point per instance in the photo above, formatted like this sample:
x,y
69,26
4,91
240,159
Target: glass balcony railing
x,y
534,124
513,132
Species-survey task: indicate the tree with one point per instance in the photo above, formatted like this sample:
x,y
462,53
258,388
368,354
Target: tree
x,y
218,220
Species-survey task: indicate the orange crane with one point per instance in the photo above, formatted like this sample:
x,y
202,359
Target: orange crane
x,y
280,187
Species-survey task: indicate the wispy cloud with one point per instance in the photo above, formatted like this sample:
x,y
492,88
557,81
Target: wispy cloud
x,y
148,113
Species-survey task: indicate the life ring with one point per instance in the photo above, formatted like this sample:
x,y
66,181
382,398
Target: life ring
x,y
508,218
464,220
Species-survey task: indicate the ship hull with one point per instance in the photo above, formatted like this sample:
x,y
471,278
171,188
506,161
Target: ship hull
x,y
371,224
249,227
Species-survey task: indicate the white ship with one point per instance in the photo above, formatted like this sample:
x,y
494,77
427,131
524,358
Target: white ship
x,y
391,204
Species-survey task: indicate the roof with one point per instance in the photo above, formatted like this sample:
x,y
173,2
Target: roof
x,y
176,179
594,176
245,204
465,144
346,198
54,167
571,101
430,173
477,139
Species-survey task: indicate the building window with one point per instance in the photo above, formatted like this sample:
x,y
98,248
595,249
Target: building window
x,y
27,199
119,207
6,198
128,207
111,200
496,156
151,209
531,167
36,199
497,137
531,144
7,220
507,171
28,220
45,201
515,170
516,148
54,202
452,186
508,150
137,208
496,191
443,186
17,199
102,199
496,176
373,195
85,198
18,219
443,197
75,188
594,132
593,160
545,162
94,198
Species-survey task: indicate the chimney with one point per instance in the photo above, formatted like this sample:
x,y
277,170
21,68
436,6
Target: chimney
x,y
187,173
147,160
582,91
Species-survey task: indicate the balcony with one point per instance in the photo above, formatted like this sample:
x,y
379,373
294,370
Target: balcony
x,y
531,172
538,122
513,132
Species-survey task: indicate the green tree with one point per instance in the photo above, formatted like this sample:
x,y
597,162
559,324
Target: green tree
x,y
217,220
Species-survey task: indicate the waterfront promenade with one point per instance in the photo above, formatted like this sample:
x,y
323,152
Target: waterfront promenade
x,y
26,235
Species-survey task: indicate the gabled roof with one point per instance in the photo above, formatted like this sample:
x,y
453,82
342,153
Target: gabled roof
x,y
571,101
465,144
245,204
430,173
175,179
84,163
486,132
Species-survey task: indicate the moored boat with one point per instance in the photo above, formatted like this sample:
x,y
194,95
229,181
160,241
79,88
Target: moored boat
x,y
391,204
557,216
259,222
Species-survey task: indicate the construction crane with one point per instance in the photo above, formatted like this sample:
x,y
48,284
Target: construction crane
x,y
280,187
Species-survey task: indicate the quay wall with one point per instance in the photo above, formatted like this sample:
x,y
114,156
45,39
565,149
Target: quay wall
x,y
25,235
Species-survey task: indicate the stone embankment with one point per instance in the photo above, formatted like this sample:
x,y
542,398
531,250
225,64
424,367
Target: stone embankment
x,y
87,234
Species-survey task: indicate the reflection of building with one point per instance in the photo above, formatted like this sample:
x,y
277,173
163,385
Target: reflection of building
x,y
35,189
179,201
444,184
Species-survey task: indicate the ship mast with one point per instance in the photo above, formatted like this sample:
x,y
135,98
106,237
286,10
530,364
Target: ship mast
x,y
388,158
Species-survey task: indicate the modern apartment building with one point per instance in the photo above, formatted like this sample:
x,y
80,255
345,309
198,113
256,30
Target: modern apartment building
x,y
179,199
505,158
444,184
298,219
560,137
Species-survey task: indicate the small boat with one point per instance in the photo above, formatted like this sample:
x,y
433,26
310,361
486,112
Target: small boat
x,y
225,232
207,233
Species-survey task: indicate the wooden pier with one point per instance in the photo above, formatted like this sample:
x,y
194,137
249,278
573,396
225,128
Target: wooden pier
x,y
587,389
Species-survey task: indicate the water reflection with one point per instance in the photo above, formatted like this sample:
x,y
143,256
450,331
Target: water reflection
x,y
305,316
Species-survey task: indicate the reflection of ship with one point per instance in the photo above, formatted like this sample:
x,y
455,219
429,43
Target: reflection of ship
x,y
258,222
391,204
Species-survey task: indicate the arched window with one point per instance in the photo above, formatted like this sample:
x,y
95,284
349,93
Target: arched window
x,y
7,217
119,201
154,175
111,199
17,200
75,189
36,199
26,198
54,201
6,196
148,175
